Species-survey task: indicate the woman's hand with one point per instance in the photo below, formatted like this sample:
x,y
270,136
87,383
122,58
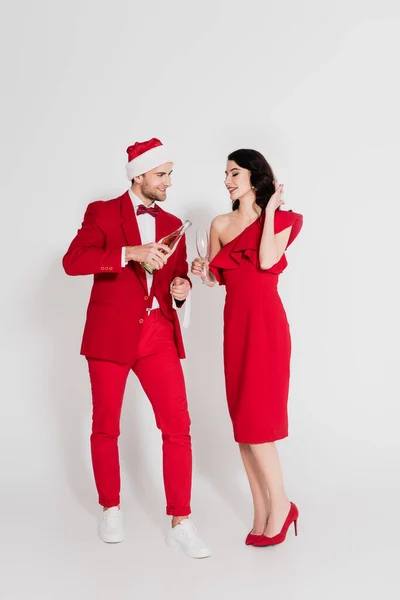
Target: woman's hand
x,y
199,266
276,199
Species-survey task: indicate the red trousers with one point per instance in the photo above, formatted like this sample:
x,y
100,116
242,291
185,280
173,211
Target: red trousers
x,y
159,371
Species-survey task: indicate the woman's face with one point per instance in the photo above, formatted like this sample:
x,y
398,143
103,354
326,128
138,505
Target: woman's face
x,y
237,180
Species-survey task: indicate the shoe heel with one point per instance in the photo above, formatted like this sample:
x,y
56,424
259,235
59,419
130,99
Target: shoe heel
x,y
295,527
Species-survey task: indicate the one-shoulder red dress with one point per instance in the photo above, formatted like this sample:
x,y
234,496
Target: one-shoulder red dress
x,y
257,341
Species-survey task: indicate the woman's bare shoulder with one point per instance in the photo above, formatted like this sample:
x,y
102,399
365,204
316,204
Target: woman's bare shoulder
x,y
220,222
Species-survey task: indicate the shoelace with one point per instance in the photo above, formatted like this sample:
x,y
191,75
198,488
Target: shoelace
x,y
192,538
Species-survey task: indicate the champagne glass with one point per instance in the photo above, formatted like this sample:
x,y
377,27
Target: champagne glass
x,y
203,250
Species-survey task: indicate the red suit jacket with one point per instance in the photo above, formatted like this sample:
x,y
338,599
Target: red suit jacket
x,y
119,297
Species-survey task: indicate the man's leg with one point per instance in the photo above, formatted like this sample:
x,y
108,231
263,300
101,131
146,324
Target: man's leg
x,y
159,370
108,382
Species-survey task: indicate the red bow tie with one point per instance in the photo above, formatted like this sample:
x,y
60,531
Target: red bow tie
x,y
142,209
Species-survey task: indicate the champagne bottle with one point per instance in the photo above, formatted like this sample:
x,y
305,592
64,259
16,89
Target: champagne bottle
x,y
172,240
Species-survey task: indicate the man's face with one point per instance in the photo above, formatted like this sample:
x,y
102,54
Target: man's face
x,y
154,184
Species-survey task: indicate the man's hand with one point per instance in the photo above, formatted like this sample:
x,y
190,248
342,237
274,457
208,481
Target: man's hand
x,y
155,254
180,288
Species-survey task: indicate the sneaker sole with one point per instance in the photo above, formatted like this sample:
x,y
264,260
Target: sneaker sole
x,y
112,540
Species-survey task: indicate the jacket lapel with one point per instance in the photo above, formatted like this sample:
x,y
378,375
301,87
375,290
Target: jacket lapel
x,y
132,234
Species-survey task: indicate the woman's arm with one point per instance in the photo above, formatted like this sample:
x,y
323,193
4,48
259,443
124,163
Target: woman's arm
x,y
215,246
215,240
273,245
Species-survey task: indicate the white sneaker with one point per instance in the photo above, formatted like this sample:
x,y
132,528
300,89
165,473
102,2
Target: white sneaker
x,y
185,536
111,526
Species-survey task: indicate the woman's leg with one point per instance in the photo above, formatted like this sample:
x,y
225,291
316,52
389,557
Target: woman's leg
x,y
267,459
258,488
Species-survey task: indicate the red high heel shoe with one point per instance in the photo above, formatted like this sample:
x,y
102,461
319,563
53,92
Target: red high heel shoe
x,y
263,540
252,537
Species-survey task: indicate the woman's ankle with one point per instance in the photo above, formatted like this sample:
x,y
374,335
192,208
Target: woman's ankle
x,y
280,504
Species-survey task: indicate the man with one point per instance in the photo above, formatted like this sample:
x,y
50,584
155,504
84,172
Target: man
x,y
131,324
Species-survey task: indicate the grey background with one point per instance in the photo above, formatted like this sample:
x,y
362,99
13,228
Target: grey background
x,y
314,87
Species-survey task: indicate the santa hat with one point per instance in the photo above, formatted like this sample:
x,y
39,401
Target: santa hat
x,y
145,156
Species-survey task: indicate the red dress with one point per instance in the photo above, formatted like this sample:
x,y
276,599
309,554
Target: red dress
x,y
256,334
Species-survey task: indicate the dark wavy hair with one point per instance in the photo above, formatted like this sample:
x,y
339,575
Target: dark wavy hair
x,y
261,175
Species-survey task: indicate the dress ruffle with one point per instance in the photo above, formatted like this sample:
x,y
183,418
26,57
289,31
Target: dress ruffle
x,y
247,244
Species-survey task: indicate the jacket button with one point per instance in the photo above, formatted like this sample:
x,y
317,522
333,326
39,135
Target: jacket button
x,y
146,297
141,320
110,268
106,268
102,268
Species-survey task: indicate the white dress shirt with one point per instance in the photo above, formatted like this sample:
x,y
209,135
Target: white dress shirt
x,y
147,230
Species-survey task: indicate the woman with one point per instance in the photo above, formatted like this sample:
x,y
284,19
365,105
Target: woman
x,y
247,249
